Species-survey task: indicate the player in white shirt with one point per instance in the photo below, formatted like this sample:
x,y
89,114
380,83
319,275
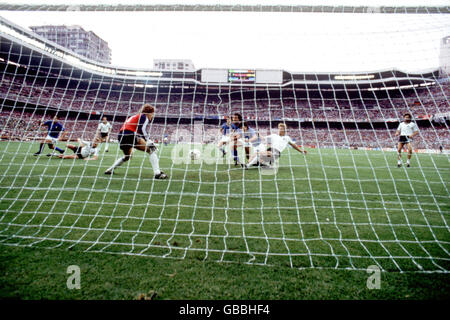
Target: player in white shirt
x,y
85,151
103,131
406,131
268,153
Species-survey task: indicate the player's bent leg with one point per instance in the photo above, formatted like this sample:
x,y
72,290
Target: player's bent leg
x,y
247,153
409,147
399,152
41,147
150,148
120,161
107,144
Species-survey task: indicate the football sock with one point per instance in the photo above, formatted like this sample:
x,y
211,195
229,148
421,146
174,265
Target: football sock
x,y
155,163
252,162
41,147
59,150
235,155
116,164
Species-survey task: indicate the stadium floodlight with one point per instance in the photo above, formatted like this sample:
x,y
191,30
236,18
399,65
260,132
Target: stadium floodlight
x,y
347,204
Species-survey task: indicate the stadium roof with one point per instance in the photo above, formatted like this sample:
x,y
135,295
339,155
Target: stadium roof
x,y
26,49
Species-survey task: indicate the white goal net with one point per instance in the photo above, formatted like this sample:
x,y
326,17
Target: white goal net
x,y
243,192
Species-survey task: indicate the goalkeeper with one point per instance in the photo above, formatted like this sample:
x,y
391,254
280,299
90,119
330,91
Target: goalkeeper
x,y
406,130
135,134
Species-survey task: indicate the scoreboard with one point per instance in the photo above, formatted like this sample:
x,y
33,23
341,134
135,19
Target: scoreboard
x,y
241,75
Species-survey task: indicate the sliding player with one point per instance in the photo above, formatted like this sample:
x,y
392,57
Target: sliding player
x,y
54,129
225,130
85,151
134,134
406,130
275,145
103,132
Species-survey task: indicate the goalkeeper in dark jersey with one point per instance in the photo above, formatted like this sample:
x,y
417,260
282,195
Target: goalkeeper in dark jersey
x,y
134,134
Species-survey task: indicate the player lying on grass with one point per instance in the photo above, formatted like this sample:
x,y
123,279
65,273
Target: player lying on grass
x,y
266,154
103,132
85,151
406,131
54,129
135,134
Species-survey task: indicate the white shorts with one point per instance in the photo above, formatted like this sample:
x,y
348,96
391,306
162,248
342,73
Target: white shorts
x,y
225,139
260,148
275,155
54,140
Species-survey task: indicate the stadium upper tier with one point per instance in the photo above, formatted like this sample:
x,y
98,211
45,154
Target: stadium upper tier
x,y
18,89
21,47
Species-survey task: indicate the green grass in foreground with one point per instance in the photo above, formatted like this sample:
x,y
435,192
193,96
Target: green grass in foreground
x,y
32,273
344,209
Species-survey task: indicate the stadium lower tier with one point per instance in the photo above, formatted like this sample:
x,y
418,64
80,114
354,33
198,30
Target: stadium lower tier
x,y
24,126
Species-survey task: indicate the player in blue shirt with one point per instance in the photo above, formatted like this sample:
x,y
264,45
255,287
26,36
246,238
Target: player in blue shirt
x,y
236,124
225,130
248,137
54,129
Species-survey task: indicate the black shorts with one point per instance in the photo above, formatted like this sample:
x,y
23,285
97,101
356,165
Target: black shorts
x,y
127,140
103,134
403,139
77,151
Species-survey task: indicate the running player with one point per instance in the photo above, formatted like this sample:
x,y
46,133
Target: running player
x,y
406,131
103,132
134,134
54,129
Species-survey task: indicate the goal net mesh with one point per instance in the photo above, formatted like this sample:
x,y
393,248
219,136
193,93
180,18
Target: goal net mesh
x,y
344,205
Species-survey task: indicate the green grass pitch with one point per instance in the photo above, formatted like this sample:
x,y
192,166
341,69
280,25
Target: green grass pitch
x,y
215,231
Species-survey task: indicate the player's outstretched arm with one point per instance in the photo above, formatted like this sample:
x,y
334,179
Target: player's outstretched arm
x,y
296,147
62,135
80,142
253,139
